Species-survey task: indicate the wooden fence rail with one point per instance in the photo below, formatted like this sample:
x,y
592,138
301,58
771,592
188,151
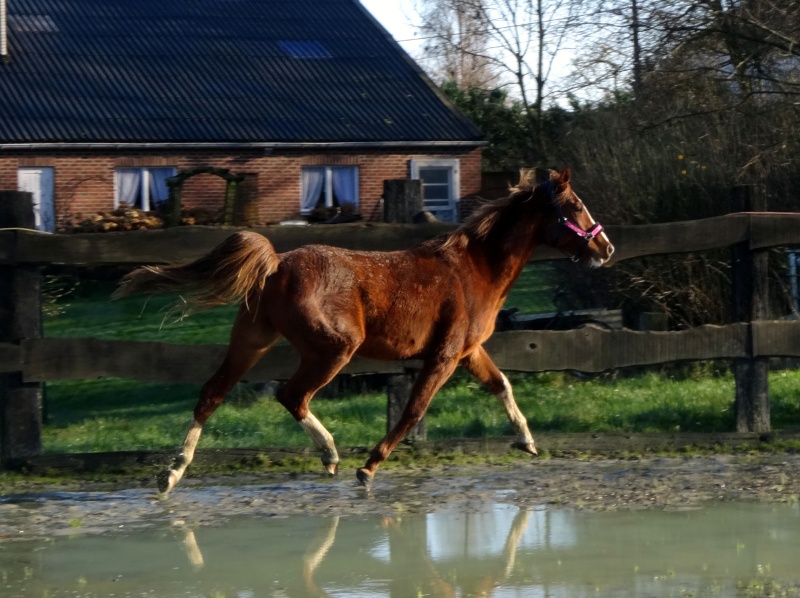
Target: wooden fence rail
x,y
19,247
587,350
26,362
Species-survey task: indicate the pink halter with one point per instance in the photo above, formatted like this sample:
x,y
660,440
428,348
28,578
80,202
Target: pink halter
x,y
588,235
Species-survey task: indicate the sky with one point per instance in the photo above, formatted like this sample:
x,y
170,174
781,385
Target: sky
x,y
397,16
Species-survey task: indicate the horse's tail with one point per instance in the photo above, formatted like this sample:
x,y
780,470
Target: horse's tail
x,y
230,273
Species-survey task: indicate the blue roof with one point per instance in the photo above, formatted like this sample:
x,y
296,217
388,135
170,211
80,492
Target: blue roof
x,y
213,71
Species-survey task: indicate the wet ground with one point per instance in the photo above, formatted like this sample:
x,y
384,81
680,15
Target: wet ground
x,y
594,485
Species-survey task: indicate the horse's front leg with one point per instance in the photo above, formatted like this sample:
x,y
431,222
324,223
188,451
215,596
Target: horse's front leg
x,y
250,340
429,380
479,364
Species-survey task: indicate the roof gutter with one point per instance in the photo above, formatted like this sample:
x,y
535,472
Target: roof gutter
x,y
265,146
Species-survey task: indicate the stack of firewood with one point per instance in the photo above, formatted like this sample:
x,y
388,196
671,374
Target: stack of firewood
x,y
127,219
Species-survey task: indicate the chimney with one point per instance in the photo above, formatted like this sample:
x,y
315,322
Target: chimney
x,y
3,32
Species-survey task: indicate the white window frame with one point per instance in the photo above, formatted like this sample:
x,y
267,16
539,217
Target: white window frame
x,y
454,166
145,184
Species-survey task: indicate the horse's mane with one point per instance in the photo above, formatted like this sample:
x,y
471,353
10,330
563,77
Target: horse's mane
x,y
484,219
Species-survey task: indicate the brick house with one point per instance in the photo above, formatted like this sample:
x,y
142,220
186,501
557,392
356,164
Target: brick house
x,y
310,100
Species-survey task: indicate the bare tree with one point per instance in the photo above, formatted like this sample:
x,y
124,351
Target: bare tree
x,y
518,41
457,45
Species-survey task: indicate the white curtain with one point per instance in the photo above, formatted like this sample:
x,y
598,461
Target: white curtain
x,y
158,185
312,181
129,181
345,185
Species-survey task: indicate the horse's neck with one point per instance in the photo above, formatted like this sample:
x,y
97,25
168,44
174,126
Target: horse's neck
x,y
502,254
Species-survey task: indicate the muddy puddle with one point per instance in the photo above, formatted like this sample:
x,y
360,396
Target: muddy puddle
x,y
705,526
728,549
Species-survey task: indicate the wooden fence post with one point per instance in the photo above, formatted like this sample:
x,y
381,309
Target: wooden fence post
x,y
749,275
402,199
398,390
20,318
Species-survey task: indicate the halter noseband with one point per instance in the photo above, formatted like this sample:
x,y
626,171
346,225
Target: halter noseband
x,y
586,235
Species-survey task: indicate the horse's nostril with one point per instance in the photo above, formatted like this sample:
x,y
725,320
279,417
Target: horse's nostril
x,y
610,250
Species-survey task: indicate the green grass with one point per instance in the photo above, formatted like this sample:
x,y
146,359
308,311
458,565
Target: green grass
x,y
533,291
138,319
115,415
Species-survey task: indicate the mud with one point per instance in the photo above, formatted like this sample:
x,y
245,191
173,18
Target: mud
x,y
596,485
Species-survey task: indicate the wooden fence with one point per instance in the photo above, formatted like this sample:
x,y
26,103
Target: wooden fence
x,y
26,360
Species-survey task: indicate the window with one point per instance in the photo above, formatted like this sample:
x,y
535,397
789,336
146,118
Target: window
x,y
440,186
143,188
329,187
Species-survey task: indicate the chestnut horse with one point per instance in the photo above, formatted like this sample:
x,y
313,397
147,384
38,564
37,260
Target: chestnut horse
x,y
436,302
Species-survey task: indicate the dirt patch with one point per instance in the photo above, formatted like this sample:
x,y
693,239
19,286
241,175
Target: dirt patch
x,y
608,484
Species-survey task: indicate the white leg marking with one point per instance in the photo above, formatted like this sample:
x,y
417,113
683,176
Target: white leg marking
x,y
190,442
171,476
321,437
316,554
193,552
518,421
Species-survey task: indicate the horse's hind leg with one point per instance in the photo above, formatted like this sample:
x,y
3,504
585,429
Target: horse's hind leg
x,y
313,373
250,340
480,365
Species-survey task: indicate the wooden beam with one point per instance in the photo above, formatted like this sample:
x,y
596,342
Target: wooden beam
x,y
587,349
593,349
774,229
88,358
776,339
678,237
187,243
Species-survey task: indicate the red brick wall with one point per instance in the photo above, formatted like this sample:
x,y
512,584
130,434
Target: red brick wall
x,y
84,182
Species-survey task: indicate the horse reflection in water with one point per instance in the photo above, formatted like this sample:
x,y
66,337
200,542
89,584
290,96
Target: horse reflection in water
x,y
411,569
436,302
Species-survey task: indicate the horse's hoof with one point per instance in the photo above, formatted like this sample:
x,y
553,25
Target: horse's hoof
x,y
526,447
364,477
331,468
166,481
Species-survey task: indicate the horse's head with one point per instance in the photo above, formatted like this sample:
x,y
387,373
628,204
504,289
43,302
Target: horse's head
x,y
568,225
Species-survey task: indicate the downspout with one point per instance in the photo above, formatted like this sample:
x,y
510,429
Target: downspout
x,y
3,32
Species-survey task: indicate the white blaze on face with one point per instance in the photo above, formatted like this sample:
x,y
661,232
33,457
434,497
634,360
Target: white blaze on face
x,y
596,261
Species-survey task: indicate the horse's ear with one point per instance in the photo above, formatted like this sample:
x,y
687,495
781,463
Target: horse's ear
x,y
565,176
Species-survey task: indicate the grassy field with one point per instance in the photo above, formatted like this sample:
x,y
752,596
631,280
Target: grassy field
x,y
114,414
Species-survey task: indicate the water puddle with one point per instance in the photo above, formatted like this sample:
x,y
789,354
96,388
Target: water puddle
x,y
728,549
